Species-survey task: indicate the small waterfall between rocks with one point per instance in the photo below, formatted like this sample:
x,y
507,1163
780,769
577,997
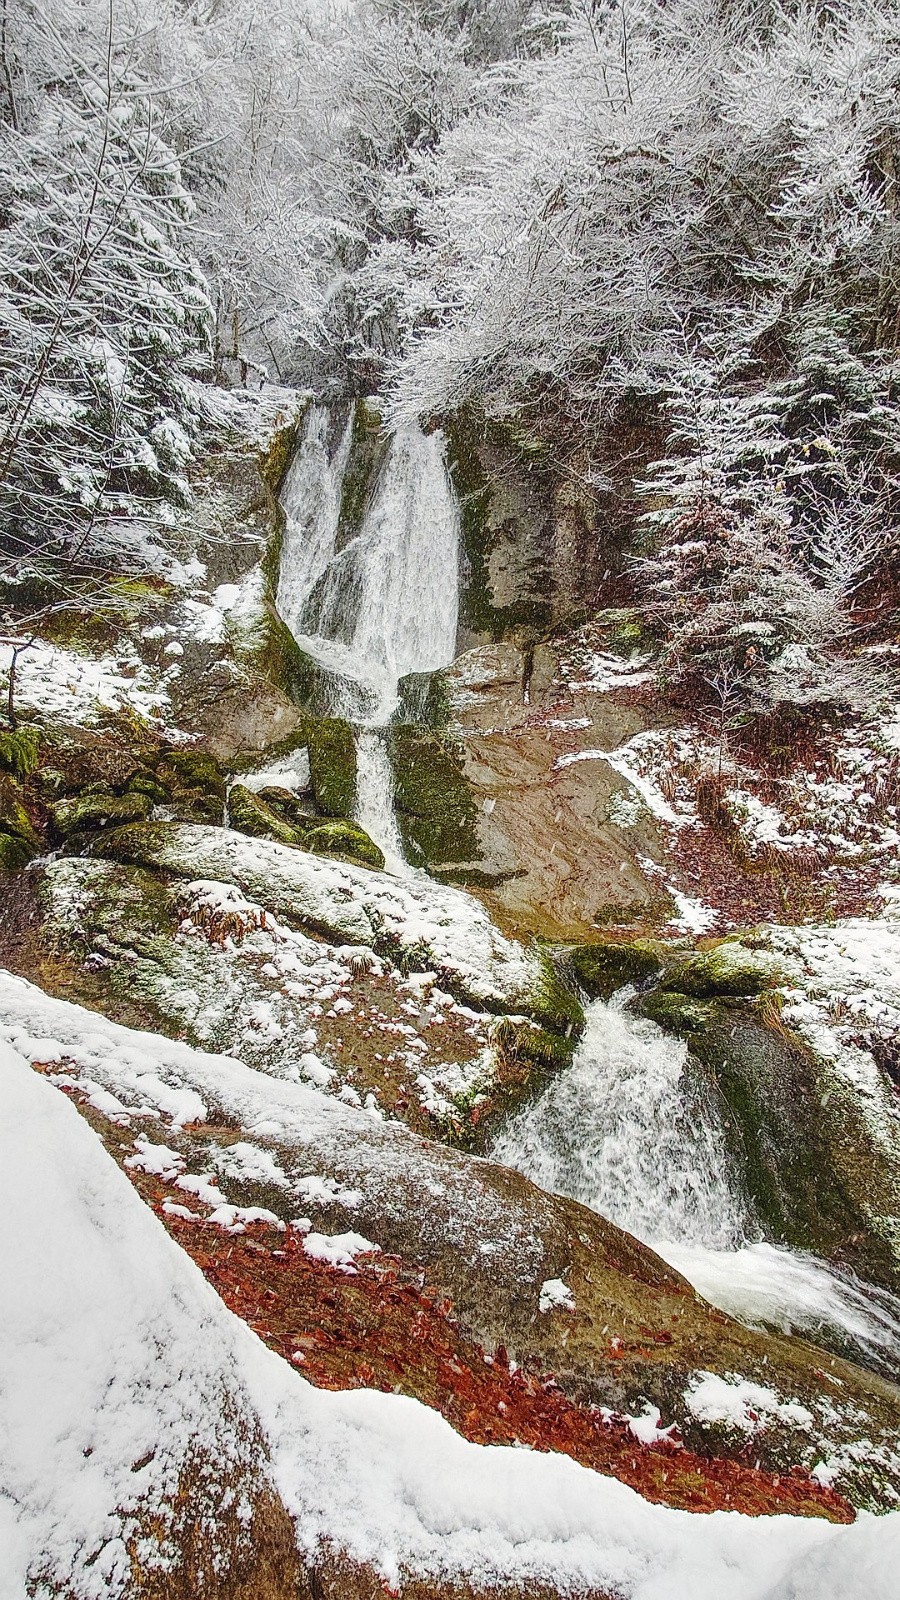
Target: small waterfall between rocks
x,y
374,603
629,1130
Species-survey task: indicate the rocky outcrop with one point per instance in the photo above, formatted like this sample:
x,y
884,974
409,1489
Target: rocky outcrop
x,y
562,839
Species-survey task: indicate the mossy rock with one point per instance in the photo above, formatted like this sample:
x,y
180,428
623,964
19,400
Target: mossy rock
x,y
275,462
601,969
14,818
369,445
626,630
815,1181
728,969
297,809
20,751
532,1044
332,765
14,853
197,770
436,811
677,1013
149,784
89,812
249,813
343,838
555,1004
472,441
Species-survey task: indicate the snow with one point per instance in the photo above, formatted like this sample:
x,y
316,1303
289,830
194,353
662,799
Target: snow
x,y
115,1352
291,773
54,682
338,1249
693,915
741,1404
603,672
326,1192
627,762
556,1295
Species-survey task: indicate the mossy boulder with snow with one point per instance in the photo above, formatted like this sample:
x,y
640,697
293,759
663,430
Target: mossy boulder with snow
x,y
89,812
601,969
254,814
425,924
341,837
251,814
730,968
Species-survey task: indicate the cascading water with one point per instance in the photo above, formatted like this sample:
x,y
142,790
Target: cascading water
x,y
379,604
627,1131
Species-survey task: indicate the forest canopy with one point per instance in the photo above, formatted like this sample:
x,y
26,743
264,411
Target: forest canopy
x,y
675,218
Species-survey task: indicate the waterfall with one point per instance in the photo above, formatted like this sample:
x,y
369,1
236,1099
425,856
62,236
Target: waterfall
x,y
378,603
621,1132
374,809
627,1131
384,604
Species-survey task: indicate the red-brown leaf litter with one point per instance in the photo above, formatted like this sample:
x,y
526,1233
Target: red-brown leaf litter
x,y
382,1328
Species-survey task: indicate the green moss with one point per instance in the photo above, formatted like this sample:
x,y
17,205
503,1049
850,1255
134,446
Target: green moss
x,y
197,769
14,853
14,818
346,839
20,751
601,969
89,812
677,1013
280,659
555,1003
274,463
249,813
332,765
728,969
436,811
147,783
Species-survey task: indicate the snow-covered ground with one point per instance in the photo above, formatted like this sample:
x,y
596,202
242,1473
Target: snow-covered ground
x,y
119,1363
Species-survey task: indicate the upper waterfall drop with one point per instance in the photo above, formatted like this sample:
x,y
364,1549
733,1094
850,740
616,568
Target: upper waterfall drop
x,y
382,603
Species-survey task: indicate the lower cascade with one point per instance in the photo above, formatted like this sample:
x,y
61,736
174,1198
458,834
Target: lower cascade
x,y
375,602
629,1131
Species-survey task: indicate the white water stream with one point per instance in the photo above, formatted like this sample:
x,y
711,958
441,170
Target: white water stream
x,y
379,606
627,1132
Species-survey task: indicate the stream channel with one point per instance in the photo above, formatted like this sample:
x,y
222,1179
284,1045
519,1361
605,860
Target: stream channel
x,y
627,1128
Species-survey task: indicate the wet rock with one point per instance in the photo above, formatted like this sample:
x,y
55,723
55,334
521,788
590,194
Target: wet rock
x,y
678,1013
601,969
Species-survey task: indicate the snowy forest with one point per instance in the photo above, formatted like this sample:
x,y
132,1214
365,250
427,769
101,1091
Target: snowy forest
x,y
450,799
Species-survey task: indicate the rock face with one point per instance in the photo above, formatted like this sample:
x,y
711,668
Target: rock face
x,y
562,841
